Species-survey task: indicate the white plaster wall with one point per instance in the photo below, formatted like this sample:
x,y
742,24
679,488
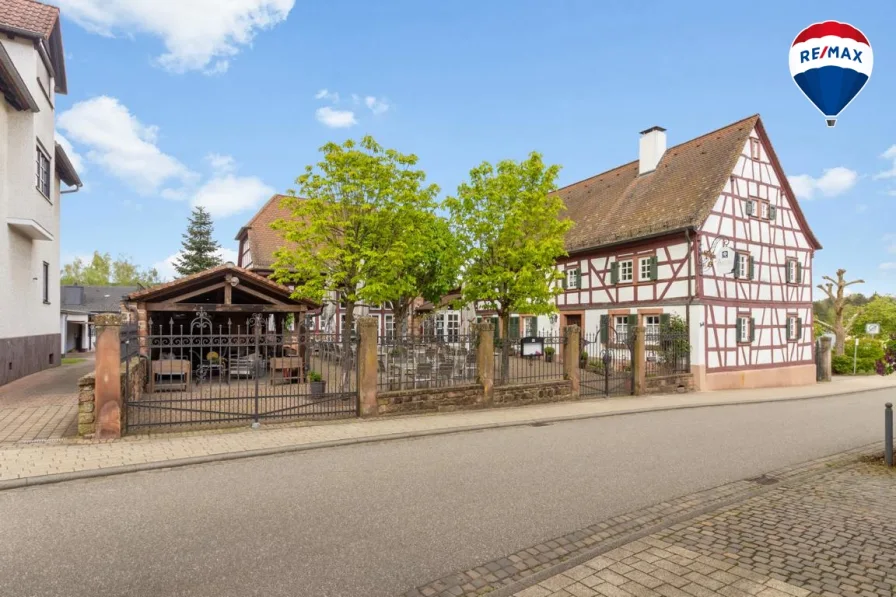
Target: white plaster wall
x,y
22,310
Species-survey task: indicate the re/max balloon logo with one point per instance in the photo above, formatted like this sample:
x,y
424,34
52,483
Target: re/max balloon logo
x,y
830,52
831,62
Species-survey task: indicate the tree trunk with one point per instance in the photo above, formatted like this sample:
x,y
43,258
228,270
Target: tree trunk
x,y
348,364
505,346
400,312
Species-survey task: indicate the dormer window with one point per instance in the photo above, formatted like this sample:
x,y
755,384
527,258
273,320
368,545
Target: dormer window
x,y
245,254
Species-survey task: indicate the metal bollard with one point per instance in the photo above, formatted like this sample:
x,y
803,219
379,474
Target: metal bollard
x,y
888,433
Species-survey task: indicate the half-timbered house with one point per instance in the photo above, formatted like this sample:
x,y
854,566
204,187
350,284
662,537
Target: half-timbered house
x,y
710,231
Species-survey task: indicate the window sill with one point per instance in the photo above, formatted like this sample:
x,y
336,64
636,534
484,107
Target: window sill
x,y
50,201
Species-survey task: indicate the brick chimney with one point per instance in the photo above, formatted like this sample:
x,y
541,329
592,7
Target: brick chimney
x,y
652,148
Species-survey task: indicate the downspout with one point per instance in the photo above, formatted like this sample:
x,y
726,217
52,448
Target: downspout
x,y
687,313
74,190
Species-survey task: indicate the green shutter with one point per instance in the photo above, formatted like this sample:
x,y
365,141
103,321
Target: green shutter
x,y
614,273
739,326
772,212
563,281
665,320
578,277
496,326
752,329
799,273
750,270
632,321
653,268
736,270
604,329
799,328
514,328
750,208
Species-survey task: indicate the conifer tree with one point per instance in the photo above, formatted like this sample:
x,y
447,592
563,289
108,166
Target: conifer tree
x,y
199,251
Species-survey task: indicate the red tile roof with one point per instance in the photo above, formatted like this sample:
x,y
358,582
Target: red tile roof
x,y
263,240
28,15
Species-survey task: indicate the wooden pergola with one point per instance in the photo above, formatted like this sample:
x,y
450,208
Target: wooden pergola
x,y
223,293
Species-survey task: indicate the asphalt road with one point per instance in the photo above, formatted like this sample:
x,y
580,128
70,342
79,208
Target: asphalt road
x,y
378,519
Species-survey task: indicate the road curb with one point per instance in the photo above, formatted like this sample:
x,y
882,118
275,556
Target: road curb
x,y
227,456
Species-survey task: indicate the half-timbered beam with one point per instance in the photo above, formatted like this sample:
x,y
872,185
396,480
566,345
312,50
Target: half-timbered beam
x,y
260,295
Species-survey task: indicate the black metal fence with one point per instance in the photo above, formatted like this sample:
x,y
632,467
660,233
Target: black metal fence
x,y
204,372
606,359
541,360
130,344
667,352
426,361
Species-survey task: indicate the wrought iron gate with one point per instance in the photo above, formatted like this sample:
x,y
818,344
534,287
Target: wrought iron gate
x,y
606,363
264,368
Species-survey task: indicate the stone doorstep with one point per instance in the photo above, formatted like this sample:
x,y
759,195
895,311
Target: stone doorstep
x,y
558,555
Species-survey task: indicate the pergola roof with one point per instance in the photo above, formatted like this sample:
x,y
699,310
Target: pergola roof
x,y
225,288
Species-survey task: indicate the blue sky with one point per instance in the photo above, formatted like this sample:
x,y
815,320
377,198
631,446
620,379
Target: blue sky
x,y
177,102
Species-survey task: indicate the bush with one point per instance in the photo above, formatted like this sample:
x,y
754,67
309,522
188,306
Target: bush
x,y
870,349
841,365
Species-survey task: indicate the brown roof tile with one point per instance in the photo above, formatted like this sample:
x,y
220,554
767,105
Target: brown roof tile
x,y
619,205
30,16
263,240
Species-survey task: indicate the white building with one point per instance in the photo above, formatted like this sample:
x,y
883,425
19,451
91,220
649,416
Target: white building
x,y
32,169
709,231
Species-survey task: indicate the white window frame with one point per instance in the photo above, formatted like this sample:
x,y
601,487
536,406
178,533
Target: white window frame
x,y
652,325
791,271
620,325
791,328
644,269
626,266
43,178
755,149
389,325
742,265
763,210
572,279
743,332
452,326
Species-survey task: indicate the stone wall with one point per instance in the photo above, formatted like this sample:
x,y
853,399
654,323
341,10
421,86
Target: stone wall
x,y
87,398
670,384
470,396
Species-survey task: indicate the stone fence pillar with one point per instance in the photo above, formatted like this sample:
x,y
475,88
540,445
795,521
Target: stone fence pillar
x,y
639,362
572,352
367,366
824,346
485,361
108,376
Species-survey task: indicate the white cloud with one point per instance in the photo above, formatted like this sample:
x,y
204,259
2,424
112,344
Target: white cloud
x,y
377,105
166,266
74,157
335,118
198,34
324,94
888,266
225,195
831,183
889,154
221,164
121,144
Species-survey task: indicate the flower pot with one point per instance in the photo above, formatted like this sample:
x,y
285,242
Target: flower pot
x,y
549,358
318,388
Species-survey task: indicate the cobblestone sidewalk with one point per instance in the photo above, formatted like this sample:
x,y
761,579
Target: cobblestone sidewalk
x,y
24,464
830,531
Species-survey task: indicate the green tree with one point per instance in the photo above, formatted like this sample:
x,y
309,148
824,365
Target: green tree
x,y
199,250
511,233
104,271
834,289
338,242
422,260
880,309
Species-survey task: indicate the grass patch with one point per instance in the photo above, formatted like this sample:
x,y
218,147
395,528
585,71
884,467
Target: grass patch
x,y
72,361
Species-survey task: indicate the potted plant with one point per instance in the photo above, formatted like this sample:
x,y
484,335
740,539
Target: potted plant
x,y
549,354
318,385
213,357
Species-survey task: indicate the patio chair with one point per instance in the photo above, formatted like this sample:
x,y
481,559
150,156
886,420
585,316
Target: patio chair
x,y
445,373
423,375
247,366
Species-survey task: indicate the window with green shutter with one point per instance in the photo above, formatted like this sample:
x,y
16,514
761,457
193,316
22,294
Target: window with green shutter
x,y
578,277
799,328
751,269
752,329
799,272
772,212
750,207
